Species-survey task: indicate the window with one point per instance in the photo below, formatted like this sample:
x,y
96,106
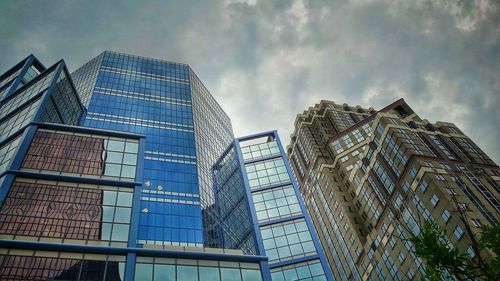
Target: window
x,y
68,104
16,121
424,185
276,203
351,239
357,181
337,147
367,129
41,265
446,215
357,251
287,240
442,147
7,152
413,172
265,149
476,222
266,173
439,177
458,232
401,257
392,242
398,201
311,270
347,141
406,186
21,97
434,200
393,270
81,212
157,269
357,135
384,227
81,154
384,177
410,274
421,207
471,251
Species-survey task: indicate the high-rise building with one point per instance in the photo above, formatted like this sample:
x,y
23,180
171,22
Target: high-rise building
x,y
129,171
369,178
253,173
185,129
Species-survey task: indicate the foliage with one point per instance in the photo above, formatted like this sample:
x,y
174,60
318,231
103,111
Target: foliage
x,y
442,259
490,238
432,245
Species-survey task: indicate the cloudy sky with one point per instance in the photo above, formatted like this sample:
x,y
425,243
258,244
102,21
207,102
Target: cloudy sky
x,y
266,61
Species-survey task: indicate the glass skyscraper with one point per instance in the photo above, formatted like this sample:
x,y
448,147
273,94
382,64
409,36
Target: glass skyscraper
x,y
185,132
128,170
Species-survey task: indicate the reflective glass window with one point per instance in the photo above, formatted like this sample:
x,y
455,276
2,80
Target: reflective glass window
x,y
251,275
143,272
230,274
67,211
67,101
10,77
287,240
209,273
20,119
260,150
186,272
311,270
171,269
22,265
276,203
7,152
81,154
22,96
267,173
164,272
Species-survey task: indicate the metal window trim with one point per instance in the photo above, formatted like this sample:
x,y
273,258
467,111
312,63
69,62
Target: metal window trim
x,y
89,130
57,177
46,246
295,261
265,271
307,217
33,81
24,65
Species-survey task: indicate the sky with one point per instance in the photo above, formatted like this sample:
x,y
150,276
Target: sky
x,y
267,61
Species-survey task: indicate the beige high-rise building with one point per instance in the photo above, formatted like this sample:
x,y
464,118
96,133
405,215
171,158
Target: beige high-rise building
x,y
369,178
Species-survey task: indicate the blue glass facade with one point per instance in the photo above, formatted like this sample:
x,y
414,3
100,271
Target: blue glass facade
x,y
161,100
231,205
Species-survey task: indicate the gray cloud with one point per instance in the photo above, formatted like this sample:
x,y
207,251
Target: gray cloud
x,y
266,61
